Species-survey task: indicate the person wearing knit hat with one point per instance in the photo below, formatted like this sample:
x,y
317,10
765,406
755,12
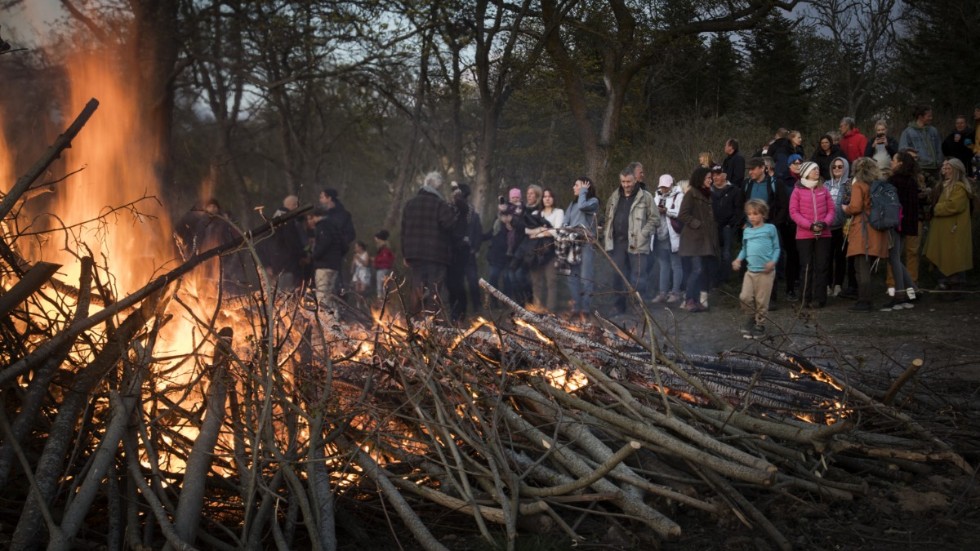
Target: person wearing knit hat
x,y
515,197
811,207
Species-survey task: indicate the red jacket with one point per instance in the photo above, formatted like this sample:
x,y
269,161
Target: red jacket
x,y
853,143
385,259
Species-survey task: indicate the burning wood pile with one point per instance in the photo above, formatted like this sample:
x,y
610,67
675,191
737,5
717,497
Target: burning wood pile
x,y
261,420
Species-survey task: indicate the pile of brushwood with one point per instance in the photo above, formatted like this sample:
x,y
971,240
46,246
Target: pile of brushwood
x,y
158,420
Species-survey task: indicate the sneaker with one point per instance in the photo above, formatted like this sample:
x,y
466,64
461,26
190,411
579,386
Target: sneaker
x,y
891,291
910,292
686,305
791,296
674,297
704,298
659,299
758,331
837,291
891,306
906,304
697,307
749,326
860,306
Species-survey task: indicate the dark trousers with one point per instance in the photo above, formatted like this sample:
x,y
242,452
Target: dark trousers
x,y
456,283
634,268
790,256
814,267
838,257
428,287
862,272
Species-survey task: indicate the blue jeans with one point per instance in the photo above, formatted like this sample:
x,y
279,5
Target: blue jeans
x,y
634,267
697,275
903,280
669,269
581,282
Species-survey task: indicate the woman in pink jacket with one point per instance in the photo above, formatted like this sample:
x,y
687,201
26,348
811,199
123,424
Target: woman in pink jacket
x,y
812,208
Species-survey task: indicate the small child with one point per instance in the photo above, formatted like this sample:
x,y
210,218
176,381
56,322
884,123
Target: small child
x,y
384,261
760,249
361,269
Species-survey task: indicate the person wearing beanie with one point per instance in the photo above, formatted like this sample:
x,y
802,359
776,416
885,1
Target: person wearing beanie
x,y
514,197
811,207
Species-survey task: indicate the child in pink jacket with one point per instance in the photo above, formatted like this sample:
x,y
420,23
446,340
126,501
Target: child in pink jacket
x,y
812,209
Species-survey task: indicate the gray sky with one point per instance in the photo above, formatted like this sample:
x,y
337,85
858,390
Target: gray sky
x,y
27,24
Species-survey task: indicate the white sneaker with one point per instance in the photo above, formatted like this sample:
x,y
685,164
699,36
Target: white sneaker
x,y
891,291
837,290
704,298
910,292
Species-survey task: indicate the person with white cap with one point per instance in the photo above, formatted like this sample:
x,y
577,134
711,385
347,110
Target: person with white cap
x,y
666,240
811,206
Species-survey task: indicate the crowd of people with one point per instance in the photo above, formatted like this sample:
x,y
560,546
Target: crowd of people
x,y
805,229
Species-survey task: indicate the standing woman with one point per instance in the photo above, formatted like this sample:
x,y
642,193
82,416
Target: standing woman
x,y
839,185
864,243
826,152
581,214
900,279
812,208
699,247
543,277
949,243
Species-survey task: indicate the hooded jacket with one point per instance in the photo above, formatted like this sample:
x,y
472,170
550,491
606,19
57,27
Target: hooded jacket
x,y
853,143
839,188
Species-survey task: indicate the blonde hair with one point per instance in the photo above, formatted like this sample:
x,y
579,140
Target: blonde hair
x,y
704,159
866,170
757,205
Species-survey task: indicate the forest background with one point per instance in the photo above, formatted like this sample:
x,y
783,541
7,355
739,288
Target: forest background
x,y
252,100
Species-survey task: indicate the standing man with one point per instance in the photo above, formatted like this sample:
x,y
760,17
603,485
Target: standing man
x,y
728,205
327,256
734,164
921,136
283,250
852,141
631,218
959,143
427,230
466,238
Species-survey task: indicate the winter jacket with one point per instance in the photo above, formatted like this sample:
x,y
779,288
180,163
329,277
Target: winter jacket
x,y
891,146
960,145
907,187
728,205
672,201
427,226
700,234
853,143
808,206
328,252
644,218
861,237
949,243
823,160
839,189
734,167
775,197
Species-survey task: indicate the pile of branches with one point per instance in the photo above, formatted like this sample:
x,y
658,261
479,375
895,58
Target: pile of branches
x,y
282,422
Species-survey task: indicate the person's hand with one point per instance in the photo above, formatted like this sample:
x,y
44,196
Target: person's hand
x,y
770,266
736,264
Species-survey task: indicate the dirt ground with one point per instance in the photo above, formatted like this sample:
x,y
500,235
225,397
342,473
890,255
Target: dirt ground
x,y
939,507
